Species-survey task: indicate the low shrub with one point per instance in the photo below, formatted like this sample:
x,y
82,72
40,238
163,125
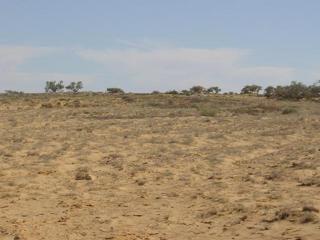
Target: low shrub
x,y
128,98
289,110
115,90
173,92
207,111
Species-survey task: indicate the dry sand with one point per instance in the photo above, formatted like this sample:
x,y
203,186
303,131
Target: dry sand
x,y
92,166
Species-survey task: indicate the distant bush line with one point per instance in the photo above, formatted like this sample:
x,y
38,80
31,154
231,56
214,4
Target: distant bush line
x,y
53,86
294,91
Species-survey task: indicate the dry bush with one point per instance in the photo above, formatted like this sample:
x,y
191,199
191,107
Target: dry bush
x,y
128,98
82,173
303,216
207,111
255,109
289,110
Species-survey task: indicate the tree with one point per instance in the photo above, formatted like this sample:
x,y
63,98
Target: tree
x,y
269,92
53,86
115,90
185,92
295,91
315,89
215,90
173,92
251,89
197,90
75,86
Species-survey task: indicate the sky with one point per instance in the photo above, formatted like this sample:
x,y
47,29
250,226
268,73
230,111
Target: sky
x,y
146,45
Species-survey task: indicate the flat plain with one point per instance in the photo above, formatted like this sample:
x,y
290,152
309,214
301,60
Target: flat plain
x,y
143,166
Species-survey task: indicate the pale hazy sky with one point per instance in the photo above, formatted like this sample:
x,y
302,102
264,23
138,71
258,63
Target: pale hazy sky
x,y
145,45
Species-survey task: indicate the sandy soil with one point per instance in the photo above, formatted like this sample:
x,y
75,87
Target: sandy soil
x,y
92,166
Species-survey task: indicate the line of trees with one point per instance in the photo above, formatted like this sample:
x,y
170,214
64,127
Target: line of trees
x,y
194,90
294,91
54,86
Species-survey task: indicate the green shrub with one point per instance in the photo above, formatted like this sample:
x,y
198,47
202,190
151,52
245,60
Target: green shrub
x,y
294,91
251,89
115,90
315,90
197,90
173,92
185,92
53,86
215,90
75,86
269,92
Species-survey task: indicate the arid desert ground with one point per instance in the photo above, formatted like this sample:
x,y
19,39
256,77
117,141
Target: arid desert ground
x,y
166,167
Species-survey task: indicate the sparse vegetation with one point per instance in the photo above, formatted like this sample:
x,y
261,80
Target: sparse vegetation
x,y
215,90
186,92
294,91
172,92
115,91
131,152
53,86
207,111
251,89
128,98
289,110
13,92
75,86
269,92
198,90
